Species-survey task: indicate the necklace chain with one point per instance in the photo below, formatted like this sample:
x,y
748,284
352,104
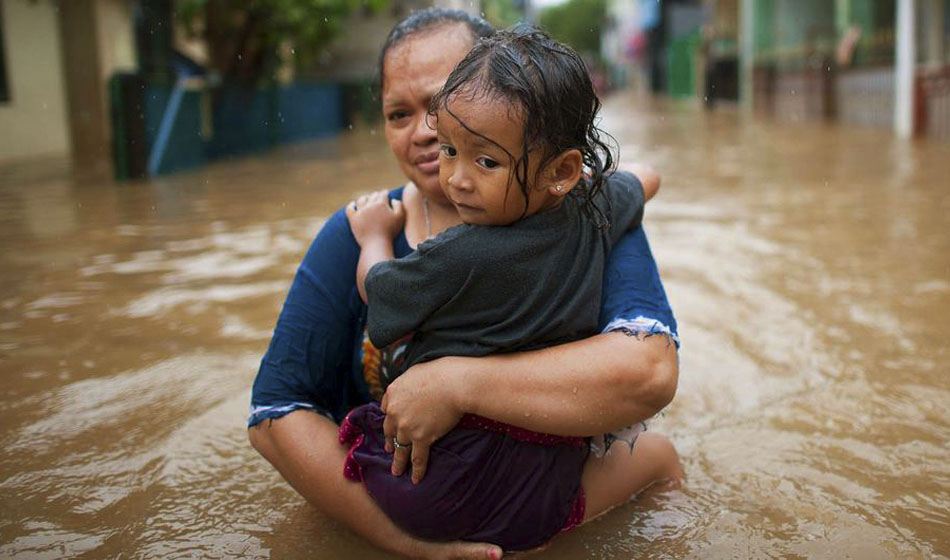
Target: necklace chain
x,y
425,213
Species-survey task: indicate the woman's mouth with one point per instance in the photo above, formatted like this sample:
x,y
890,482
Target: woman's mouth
x,y
428,163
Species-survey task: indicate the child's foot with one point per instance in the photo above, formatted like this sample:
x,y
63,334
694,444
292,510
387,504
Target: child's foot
x,y
460,550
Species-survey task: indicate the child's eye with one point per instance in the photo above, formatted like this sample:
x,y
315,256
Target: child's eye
x,y
449,151
488,163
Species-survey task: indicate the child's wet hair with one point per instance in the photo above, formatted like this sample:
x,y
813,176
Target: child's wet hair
x,y
430,19
548,86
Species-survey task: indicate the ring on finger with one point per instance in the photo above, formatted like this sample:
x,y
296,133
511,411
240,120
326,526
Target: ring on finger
x,y
398,445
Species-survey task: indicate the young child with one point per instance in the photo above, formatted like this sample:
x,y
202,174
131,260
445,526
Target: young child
x,y
523,162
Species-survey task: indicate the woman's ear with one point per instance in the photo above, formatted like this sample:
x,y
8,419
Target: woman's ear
x,y
563,172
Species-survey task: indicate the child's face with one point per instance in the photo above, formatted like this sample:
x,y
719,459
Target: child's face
x,y
477,175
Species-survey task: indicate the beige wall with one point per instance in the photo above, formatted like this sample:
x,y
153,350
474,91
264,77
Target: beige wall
x,y
33,122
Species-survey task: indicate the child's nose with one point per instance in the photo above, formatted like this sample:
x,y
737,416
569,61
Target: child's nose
x,y
458,179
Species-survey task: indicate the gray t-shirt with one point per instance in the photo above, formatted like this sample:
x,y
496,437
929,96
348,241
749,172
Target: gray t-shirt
x,y
477,290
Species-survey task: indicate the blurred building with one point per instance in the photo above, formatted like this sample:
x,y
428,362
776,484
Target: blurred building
x,y
55,60
121,85
882,63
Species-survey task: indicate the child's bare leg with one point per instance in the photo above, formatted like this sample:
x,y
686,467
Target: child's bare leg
x,y
619,475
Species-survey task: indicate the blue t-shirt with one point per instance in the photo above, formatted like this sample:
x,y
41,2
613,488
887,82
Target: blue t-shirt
x,y
319,358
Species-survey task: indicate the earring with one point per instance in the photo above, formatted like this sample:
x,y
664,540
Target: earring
x,y
559,188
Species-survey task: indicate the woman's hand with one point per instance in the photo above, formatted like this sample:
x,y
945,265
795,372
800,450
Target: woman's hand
x,y
420,408
375,217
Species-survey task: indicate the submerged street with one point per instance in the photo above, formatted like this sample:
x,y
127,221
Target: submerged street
x,y
808,266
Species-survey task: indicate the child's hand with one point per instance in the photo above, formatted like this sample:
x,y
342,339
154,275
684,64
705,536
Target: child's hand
x,y
648,177
372,217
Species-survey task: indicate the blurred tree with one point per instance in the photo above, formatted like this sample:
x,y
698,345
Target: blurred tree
x,y
247,38
578,23
503,13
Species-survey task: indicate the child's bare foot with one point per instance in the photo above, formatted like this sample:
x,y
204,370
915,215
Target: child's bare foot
x,y
459,550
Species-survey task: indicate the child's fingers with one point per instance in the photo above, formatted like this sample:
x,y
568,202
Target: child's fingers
x,y
378,197
398,210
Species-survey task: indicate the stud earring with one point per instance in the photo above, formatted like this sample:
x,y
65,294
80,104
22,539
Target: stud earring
x,y
559,188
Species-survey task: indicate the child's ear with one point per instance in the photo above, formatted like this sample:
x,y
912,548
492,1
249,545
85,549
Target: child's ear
x,y
563,172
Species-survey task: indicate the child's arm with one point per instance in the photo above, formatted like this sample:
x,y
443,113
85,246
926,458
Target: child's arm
x,y
648,177
375,221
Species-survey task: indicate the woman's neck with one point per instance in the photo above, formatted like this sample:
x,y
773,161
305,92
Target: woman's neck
x,y
426,217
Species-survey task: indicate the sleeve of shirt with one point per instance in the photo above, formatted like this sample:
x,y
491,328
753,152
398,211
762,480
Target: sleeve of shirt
x,y
625,200
307,363
633,298
403,293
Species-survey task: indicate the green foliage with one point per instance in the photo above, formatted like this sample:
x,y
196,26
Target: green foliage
x,y
578,23
245,36
501,13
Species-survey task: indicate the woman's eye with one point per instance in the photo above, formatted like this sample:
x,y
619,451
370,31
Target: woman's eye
x,y
397,115
448,150
488,163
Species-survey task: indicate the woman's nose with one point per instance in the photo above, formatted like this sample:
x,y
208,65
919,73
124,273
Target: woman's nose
x,y
423,134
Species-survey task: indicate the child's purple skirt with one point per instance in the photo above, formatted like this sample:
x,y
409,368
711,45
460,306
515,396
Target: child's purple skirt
x,y
486,481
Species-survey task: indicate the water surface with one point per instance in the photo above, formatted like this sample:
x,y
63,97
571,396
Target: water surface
x,y
809,267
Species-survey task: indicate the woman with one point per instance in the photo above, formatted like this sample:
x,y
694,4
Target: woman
x,y
589,387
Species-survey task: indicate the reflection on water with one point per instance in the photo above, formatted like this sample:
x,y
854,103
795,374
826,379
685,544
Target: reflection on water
x,y
809,268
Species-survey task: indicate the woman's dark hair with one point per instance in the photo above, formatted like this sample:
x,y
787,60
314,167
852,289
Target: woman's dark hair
x,y
431,19
550,85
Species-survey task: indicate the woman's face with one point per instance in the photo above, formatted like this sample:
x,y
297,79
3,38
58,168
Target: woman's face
x,y
414,71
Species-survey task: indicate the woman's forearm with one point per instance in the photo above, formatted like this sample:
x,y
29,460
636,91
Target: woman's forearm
x,y
581,388
303,446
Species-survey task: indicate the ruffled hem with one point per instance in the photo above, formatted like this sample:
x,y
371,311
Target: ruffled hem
x,y
645,327
576,517
599,445
260,413
352,435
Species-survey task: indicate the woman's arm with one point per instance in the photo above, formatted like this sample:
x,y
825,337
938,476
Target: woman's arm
x,y
581,388
305,449
584,388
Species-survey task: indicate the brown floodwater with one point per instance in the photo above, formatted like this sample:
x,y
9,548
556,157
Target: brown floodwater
x,y
808,265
